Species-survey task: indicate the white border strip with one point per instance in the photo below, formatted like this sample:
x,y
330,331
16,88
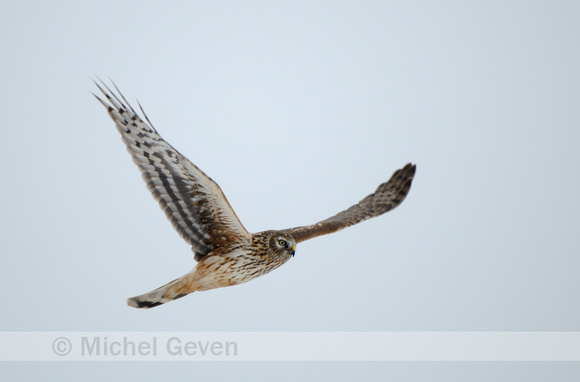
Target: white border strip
x,y
290,346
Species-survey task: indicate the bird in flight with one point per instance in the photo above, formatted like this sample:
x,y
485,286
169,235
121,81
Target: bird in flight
x,y
226,253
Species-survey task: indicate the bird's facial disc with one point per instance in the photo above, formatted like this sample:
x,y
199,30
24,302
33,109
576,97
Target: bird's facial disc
x,y
286,245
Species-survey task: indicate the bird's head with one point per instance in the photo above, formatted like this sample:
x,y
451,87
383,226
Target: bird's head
x,y
282,244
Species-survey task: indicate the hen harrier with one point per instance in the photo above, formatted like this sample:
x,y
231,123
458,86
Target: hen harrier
x,y
227,254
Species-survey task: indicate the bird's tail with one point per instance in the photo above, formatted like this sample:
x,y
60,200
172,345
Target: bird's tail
x,y
171,291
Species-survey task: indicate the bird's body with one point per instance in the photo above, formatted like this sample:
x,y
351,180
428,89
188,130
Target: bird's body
x,y
222,268
226,252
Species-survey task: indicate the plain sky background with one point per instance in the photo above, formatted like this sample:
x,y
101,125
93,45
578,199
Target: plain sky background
x,y
298,110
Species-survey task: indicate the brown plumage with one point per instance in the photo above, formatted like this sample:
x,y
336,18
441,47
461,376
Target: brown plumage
x,y
226,252
387,196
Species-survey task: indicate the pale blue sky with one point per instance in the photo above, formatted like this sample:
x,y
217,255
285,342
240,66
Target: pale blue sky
x,y
298,110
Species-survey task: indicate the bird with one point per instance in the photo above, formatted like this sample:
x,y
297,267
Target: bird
x,y
225,252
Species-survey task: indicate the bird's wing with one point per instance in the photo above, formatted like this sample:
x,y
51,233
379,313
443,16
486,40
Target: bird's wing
x,y
194,204
387,196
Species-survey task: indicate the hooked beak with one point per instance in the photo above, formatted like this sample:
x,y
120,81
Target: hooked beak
x,y
292,250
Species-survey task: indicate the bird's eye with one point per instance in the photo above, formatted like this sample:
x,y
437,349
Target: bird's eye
x,y
282,242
